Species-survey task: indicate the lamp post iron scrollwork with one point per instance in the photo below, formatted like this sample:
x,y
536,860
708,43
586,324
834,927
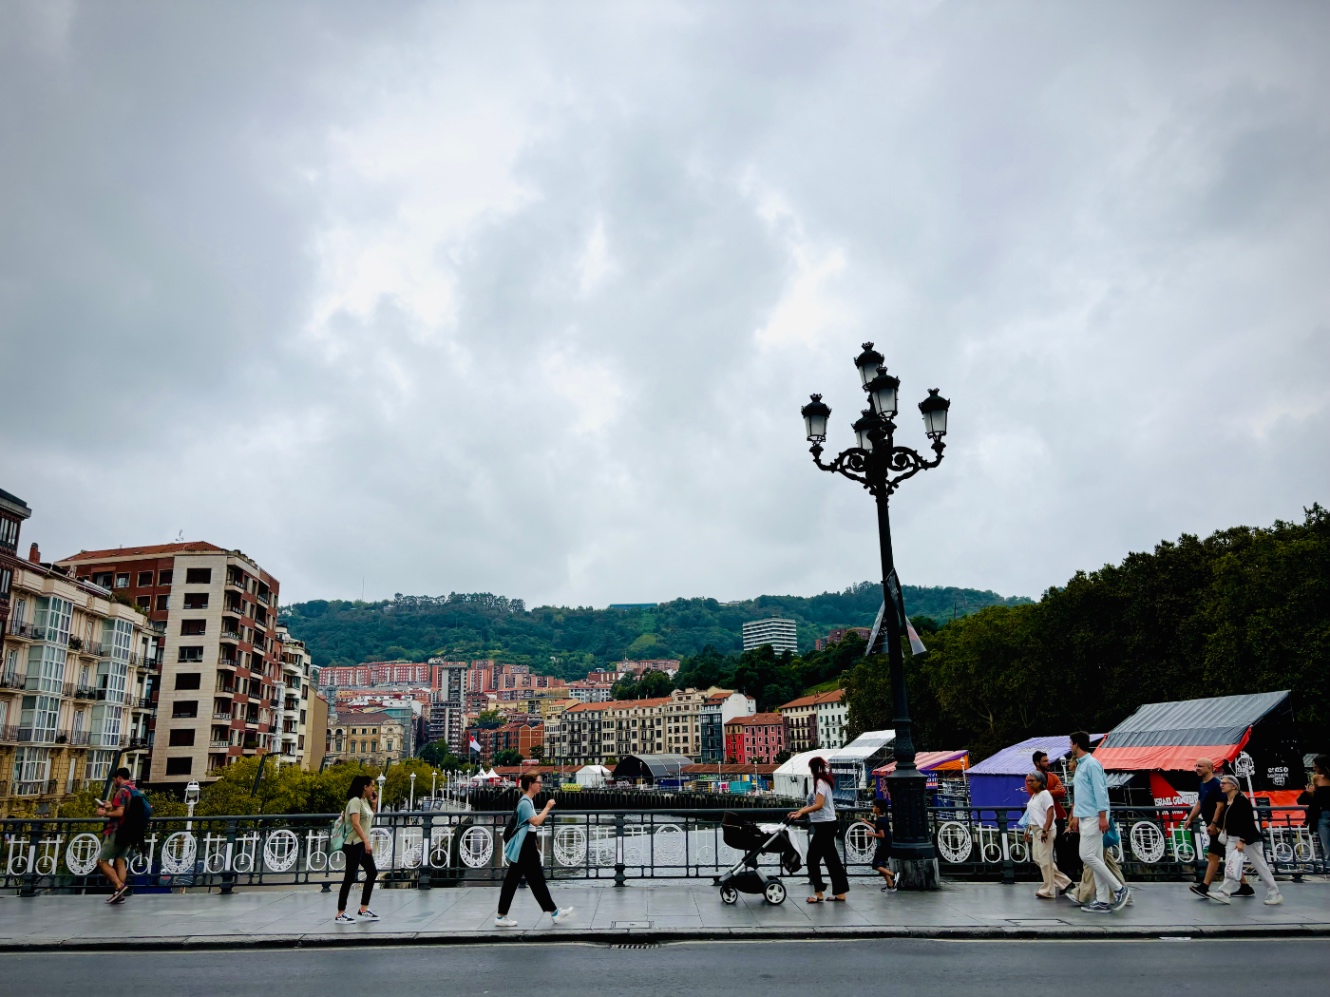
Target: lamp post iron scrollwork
x,y
880,466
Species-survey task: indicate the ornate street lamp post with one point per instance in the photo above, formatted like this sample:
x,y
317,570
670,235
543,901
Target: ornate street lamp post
x,y
880,466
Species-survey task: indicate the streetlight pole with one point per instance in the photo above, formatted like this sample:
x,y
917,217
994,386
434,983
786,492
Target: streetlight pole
x,y
880,466
411,799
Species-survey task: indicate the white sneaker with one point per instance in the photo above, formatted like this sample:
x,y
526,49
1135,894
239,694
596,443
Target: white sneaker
x,y
504,922
344,919
560,914
1274,900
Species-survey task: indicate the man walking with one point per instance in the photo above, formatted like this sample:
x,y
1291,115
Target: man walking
x,y
1089,816
1210,801
111,859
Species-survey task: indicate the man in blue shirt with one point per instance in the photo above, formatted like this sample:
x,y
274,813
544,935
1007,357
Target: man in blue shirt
x,y
1210,802
1089,817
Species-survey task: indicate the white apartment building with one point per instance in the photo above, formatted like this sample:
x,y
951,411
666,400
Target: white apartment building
x,y
833,716
75,687
780,633
292,706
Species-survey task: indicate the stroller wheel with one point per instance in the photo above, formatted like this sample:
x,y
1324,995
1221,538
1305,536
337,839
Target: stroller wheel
x,y
729,894
775,892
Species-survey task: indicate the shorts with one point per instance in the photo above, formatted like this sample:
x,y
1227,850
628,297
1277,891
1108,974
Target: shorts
x,y
110,850
880,857
1215,847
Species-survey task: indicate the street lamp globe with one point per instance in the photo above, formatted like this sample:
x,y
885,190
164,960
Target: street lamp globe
x,y
192,793
815,415
868,362
934,409
862,428
882,393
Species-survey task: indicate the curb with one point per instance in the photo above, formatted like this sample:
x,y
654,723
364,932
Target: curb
x,y
184,943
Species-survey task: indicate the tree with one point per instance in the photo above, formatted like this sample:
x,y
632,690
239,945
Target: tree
x,y
654,684
490,719
440,755
783,756
625,688
508,756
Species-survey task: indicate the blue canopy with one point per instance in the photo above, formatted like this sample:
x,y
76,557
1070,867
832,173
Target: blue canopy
x,y
999,780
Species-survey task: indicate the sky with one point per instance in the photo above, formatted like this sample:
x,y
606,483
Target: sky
x,y
526,298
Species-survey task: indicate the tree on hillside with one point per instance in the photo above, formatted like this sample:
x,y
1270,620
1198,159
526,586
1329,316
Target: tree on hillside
x,y
508,756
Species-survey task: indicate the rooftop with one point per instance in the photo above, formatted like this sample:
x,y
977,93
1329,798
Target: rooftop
x,y
189,546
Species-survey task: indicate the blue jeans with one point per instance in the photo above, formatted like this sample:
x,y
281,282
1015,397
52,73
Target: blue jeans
x,y
1323,832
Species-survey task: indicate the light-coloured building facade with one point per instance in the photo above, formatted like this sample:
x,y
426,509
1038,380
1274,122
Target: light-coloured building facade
x,y
293,699
222,691
316,740
368,738
833,717
720,707
780,633
76,684
800,722
590,733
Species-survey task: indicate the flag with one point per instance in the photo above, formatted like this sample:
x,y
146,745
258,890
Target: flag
x,y
475,745
916,645
903,621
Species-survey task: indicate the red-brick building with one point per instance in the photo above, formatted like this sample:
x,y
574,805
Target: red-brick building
x,y
756,738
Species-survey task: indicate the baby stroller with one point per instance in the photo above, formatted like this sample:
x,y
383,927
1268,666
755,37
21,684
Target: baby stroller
x,y
744,876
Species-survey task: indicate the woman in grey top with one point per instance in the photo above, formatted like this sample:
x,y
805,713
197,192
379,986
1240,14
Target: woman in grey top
x,y
822,826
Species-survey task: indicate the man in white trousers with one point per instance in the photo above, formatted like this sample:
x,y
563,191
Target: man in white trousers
x,y
1089,817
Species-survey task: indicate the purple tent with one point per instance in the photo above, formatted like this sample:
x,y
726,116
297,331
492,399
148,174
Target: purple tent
x,y
999,780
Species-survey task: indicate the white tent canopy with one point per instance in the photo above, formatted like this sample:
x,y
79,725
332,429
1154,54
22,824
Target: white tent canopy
x,y
592,776
792,778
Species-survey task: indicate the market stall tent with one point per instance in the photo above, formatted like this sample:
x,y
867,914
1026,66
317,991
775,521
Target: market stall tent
x,y
592,776
999,780
928,762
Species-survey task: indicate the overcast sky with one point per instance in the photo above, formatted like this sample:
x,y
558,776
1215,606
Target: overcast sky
x,y
526,298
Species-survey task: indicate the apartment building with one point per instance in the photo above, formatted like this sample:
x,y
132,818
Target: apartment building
x,y
222,689
816,721
367,738
292,713
447,711
316,741
781,634
590,692
13,512
758,738
522,736
76,670
670,666
719,707
833,717
375,674
589,733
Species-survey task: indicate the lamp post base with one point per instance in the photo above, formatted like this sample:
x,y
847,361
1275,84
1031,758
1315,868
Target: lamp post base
x,y
916,874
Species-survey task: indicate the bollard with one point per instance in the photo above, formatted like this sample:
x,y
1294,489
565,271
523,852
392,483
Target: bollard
x,y
424,880
619,878
1008,867
228,876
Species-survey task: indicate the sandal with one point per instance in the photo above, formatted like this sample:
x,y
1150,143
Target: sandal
x,y
814,900
836,900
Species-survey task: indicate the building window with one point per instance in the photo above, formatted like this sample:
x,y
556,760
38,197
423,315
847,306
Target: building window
x,y
182,738
185,708
190,652
144,602
179,766
198,576
6,577
103,578
193,628
187,680
8,532
122,580
164,577
196,600
163,603
145,579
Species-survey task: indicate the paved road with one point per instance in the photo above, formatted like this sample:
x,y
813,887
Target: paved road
x,y
919,968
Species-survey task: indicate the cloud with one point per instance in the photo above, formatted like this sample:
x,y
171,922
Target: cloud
x,y
468,296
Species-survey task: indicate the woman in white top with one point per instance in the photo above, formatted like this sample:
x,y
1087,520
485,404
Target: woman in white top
x,y
822,827
1041,832
358,849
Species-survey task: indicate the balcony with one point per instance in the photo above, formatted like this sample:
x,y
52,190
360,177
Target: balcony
x,y
230,635
74,691
25,631
141,702
37,735
43,787
12,680
218,715
139,744
219,743
235,581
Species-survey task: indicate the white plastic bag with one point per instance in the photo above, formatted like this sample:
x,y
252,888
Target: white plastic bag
x,y
1233,862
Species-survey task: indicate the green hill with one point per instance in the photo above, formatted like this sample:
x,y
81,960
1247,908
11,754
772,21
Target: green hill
x,y
567,641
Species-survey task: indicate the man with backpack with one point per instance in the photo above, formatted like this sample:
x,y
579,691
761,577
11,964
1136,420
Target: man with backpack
x,y
122,812
524,856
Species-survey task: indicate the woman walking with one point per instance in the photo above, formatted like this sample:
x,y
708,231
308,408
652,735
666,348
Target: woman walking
x,y
1042,833
822,826
1243,840
1317,801
358,818
524,857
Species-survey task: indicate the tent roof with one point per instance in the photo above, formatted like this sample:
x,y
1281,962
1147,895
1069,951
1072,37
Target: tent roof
x,y
594,768
798,764
1017,759
1171,736
660,766
867,744
929,761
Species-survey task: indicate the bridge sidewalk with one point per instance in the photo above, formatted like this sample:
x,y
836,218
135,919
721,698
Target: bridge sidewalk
x,y
643,912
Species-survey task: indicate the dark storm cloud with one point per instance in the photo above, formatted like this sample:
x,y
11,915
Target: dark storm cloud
x,y
502,297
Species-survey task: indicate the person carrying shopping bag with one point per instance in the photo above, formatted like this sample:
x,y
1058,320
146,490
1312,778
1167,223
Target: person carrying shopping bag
x,y
822,826
1243,841
524,857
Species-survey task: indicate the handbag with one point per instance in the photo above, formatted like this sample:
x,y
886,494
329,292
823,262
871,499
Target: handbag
x,y
1112,837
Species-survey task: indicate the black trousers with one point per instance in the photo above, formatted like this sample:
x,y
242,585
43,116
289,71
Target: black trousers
x,y
356,857
822,846
528,865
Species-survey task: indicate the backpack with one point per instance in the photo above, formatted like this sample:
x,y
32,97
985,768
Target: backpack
x,y
339,833
510,829
134,825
